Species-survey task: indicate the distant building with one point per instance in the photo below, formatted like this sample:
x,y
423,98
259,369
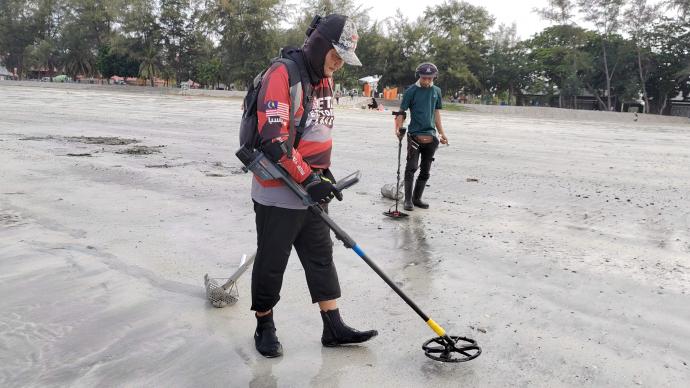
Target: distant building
x,y
680,106
677,106
584,101
5,74
40,73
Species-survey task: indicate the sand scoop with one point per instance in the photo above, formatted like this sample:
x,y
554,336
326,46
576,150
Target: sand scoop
x,y
223,292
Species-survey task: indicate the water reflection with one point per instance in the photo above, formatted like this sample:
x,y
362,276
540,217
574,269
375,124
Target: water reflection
x,y
415,242
417,254
342,360
262,373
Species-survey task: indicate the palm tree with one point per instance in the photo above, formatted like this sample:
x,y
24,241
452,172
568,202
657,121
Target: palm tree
x,y
149,67
44,55
79,61
77,56
168,74
682,6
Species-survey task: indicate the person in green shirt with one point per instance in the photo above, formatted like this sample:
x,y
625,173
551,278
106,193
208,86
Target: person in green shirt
x,y
424,133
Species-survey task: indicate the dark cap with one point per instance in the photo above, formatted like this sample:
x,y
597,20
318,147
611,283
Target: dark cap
x,y
342,33
426,70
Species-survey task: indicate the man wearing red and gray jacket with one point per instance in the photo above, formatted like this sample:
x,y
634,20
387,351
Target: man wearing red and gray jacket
x,y
282,221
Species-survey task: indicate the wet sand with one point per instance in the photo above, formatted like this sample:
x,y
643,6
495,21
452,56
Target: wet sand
x,y
568,258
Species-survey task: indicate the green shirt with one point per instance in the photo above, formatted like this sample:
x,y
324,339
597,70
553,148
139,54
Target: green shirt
x,y
422,103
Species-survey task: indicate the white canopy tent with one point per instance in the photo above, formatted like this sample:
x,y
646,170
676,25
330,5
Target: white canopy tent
x,y
4,73
372,80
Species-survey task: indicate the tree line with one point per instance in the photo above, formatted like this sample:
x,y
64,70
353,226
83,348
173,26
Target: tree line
x,y
611,50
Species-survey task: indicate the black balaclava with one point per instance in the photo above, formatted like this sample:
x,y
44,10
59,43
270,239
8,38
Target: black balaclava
x,y
315,49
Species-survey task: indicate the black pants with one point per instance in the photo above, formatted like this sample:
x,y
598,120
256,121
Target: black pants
x,y
277,231
414,151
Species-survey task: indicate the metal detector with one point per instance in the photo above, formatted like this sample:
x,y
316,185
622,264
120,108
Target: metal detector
x,y
443,348
397,214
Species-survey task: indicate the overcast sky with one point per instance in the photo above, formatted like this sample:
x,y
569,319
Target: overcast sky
x,y
505,11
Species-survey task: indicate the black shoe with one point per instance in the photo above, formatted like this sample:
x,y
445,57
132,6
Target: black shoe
x,y
417,195
336,332
407,205
265,337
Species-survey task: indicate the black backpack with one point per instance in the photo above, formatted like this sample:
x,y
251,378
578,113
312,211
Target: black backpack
x,y
299,86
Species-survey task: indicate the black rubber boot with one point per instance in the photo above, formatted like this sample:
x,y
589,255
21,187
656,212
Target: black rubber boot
x,y
265,337
336,332
417,196
408,195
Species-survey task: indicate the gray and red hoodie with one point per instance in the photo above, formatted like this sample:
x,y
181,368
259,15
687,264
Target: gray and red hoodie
x,y
314,148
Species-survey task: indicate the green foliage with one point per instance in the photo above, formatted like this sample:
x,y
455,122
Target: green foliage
x,y
246,31
149,67
670,42
508,61
458,43
110,63
175,33
557,55
209,72
559,11
18,30
682,7
77,54
402,50
43,55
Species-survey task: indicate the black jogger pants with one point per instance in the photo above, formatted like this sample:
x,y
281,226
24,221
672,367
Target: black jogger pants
x,y
414,151
278,230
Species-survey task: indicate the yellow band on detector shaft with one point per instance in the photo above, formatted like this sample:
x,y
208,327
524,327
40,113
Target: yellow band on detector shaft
x,y
435,327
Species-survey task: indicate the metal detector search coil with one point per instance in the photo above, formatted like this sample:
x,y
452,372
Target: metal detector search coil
x,y
451,349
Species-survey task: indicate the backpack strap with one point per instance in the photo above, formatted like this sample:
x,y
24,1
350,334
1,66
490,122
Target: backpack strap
x,y
308,90
300,89
296,94
249,135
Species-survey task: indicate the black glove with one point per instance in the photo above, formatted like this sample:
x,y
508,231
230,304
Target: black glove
x,y
321,189
328,174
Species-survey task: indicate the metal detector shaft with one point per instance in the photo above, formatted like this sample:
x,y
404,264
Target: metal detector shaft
x,y
397,184
257,162
350,243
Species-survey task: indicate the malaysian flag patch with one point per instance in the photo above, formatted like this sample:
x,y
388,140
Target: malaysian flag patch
x,y
275,108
